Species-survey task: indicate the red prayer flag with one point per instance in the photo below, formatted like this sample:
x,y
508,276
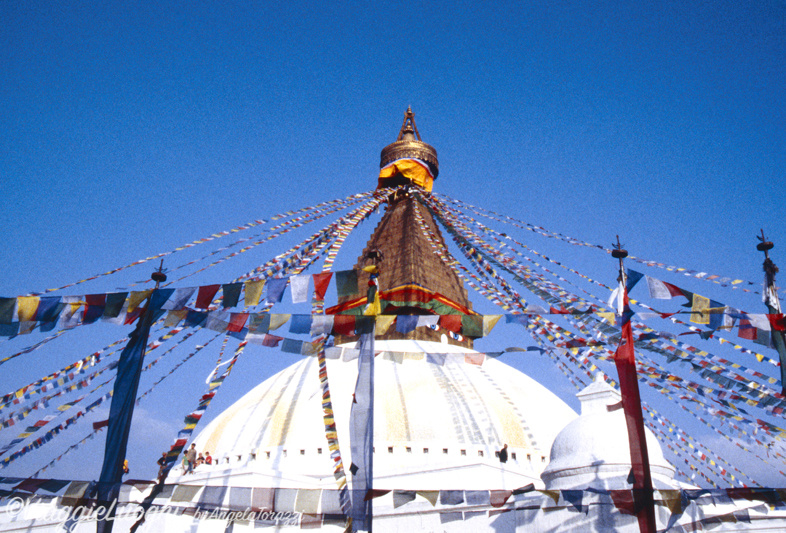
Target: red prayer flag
x,y
747,331
271,341
777,321
237,321
450,323
321,282
344,325
205,295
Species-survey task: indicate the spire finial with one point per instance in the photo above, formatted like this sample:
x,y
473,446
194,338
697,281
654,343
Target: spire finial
x,y
408,127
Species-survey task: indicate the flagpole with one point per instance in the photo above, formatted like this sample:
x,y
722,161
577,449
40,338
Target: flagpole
x,y
625,361
773,303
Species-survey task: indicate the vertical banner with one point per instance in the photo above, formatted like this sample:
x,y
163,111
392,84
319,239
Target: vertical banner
x,y
121,411
625,361
362,435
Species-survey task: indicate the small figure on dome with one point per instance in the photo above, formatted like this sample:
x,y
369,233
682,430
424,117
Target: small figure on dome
x,y
503,454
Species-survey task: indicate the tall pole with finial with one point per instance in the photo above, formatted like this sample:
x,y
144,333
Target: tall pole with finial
x,y
121,411
773,304
625,361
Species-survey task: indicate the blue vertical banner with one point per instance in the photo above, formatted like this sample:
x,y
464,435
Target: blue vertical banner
x,y
129,368
361,435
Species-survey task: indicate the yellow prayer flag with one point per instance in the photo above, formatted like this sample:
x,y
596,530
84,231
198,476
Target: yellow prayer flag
x,y
489,321
383,323
608,317
700,310
173,318
276,321
253,292
430,495
26,307
137,297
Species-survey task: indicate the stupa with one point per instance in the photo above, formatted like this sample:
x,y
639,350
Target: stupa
x,y
440,421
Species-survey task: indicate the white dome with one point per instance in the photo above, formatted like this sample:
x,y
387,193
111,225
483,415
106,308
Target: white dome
x,y
593,450
440,419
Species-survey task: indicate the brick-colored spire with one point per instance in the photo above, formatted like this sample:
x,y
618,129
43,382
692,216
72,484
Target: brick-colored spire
x,y
405,257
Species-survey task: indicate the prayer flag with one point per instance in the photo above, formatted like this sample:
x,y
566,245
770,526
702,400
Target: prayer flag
x,y
662,290
114,304
217,320
362,433
69,317
292,346
474,358
195,318
344,324
321,282
27,307
94,307
300,324
632,277
299,285
346,283
49,309
236,322
259,323
489,321
7,308
406,323
179,299
472,325
402,497
253,292
427,320
700,310
121,410
205,295
436,358
321,324
173,318
137,297
450,322
625,361
383,323
271,340
231,294
275,289
278,320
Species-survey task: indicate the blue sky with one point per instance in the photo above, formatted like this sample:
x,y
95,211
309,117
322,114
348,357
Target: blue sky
x,y
130,128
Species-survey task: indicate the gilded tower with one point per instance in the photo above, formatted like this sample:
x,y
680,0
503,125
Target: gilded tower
x,y
413,279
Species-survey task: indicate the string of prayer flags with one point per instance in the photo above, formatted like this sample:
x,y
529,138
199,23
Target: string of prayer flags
x,y
722,281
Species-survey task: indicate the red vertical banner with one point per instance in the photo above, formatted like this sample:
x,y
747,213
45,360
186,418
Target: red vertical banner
x,y
625,361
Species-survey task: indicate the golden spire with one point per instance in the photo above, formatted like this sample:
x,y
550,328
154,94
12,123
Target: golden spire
x,y
409,146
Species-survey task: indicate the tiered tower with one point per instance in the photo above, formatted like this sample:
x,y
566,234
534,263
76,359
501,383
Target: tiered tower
x,y
413,279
